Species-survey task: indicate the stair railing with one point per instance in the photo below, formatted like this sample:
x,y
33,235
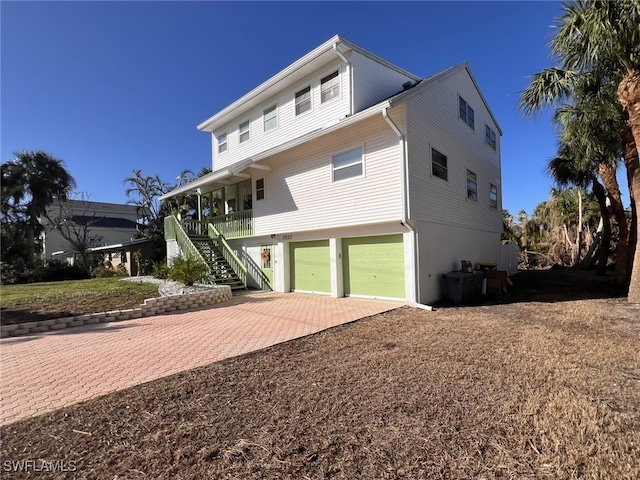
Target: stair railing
x,y
228,254
171,224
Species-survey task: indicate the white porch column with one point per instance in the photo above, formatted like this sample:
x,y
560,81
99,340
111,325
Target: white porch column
x,y
281,274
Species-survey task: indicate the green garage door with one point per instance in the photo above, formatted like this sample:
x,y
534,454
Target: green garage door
x,y
374,266
310,271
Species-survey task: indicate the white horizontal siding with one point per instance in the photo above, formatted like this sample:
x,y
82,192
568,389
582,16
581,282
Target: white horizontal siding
x,y
300,194
433,122
373,82
290,126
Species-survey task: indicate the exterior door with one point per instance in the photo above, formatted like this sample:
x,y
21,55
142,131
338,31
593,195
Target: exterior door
x,y
266,260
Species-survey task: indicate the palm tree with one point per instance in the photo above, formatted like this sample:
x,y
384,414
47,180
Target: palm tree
x,y
604,35
30,183
144,193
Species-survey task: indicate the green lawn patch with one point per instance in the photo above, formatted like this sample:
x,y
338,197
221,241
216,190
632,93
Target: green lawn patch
x,y
42,301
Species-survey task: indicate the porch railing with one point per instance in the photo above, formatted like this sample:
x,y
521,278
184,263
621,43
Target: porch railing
x,y
234,225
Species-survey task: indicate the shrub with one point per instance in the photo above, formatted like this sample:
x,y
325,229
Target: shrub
x,y
187,271
160,270
102,272
56,271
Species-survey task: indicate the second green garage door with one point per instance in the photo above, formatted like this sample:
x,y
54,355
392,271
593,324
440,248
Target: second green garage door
x,y
310,270
374,266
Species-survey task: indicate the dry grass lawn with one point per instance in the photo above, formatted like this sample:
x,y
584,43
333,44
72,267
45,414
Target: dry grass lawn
x,y
529,388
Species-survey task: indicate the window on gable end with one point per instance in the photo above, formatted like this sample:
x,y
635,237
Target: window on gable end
x,y
347,165
472,186
270,118
243,131
466,113
222,143
330,87
490,137
303,100
493,196
439,165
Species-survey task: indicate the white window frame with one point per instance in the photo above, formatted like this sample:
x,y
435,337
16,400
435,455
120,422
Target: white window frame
x,y
221,143
272,108
247,132
490,137
348,165
323,90
296,104
472,193
263,190
466,114
493,196
446,166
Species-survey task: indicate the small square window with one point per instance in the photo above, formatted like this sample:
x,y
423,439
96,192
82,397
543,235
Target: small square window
x,y
260,189
222,143
303,101
243,130
270,118
329,87
472,186
466,113
490,137
347,165
438,164
493,196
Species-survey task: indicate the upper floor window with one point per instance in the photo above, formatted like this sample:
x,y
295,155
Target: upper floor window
x,y
347,165
303,100
329,87
222,142
493,196
438,164
243,131
490,137
260,189
472,186
466,113
270,118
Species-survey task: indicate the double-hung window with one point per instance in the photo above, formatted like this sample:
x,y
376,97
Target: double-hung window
x,y
260,189
438,164
347,165
222,143
243,131
303,100
490,137
493,196
472,186
466,113
270,118
330,87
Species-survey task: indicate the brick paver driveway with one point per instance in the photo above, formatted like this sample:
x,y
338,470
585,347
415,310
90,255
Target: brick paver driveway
x,y
42,372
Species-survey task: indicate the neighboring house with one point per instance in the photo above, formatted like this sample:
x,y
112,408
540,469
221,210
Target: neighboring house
x,y
346,175
124,254
104,224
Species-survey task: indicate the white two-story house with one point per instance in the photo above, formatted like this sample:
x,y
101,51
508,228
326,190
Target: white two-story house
x,y
346,175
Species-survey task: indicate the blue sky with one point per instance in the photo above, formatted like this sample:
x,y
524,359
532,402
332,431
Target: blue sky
x,y
113,86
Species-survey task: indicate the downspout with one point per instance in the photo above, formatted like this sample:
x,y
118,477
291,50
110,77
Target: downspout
x,y
405,208
350,70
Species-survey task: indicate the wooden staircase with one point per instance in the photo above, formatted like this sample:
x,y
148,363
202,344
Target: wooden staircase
x,y
221,271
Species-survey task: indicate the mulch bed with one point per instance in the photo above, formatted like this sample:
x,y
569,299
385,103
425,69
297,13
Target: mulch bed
x,y
543,382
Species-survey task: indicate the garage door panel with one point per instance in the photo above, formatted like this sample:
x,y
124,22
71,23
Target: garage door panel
x,y
374,266
310,270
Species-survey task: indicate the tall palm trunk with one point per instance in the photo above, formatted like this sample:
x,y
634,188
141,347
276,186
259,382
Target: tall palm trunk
x,y
608,175
633,177
629,97
605,241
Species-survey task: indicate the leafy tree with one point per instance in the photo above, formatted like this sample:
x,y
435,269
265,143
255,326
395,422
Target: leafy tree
x,y
31,182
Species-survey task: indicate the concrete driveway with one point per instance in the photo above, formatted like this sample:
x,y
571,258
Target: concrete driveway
x,y
43,372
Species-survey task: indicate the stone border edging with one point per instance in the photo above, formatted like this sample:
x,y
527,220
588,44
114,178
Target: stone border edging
x,y
150,307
